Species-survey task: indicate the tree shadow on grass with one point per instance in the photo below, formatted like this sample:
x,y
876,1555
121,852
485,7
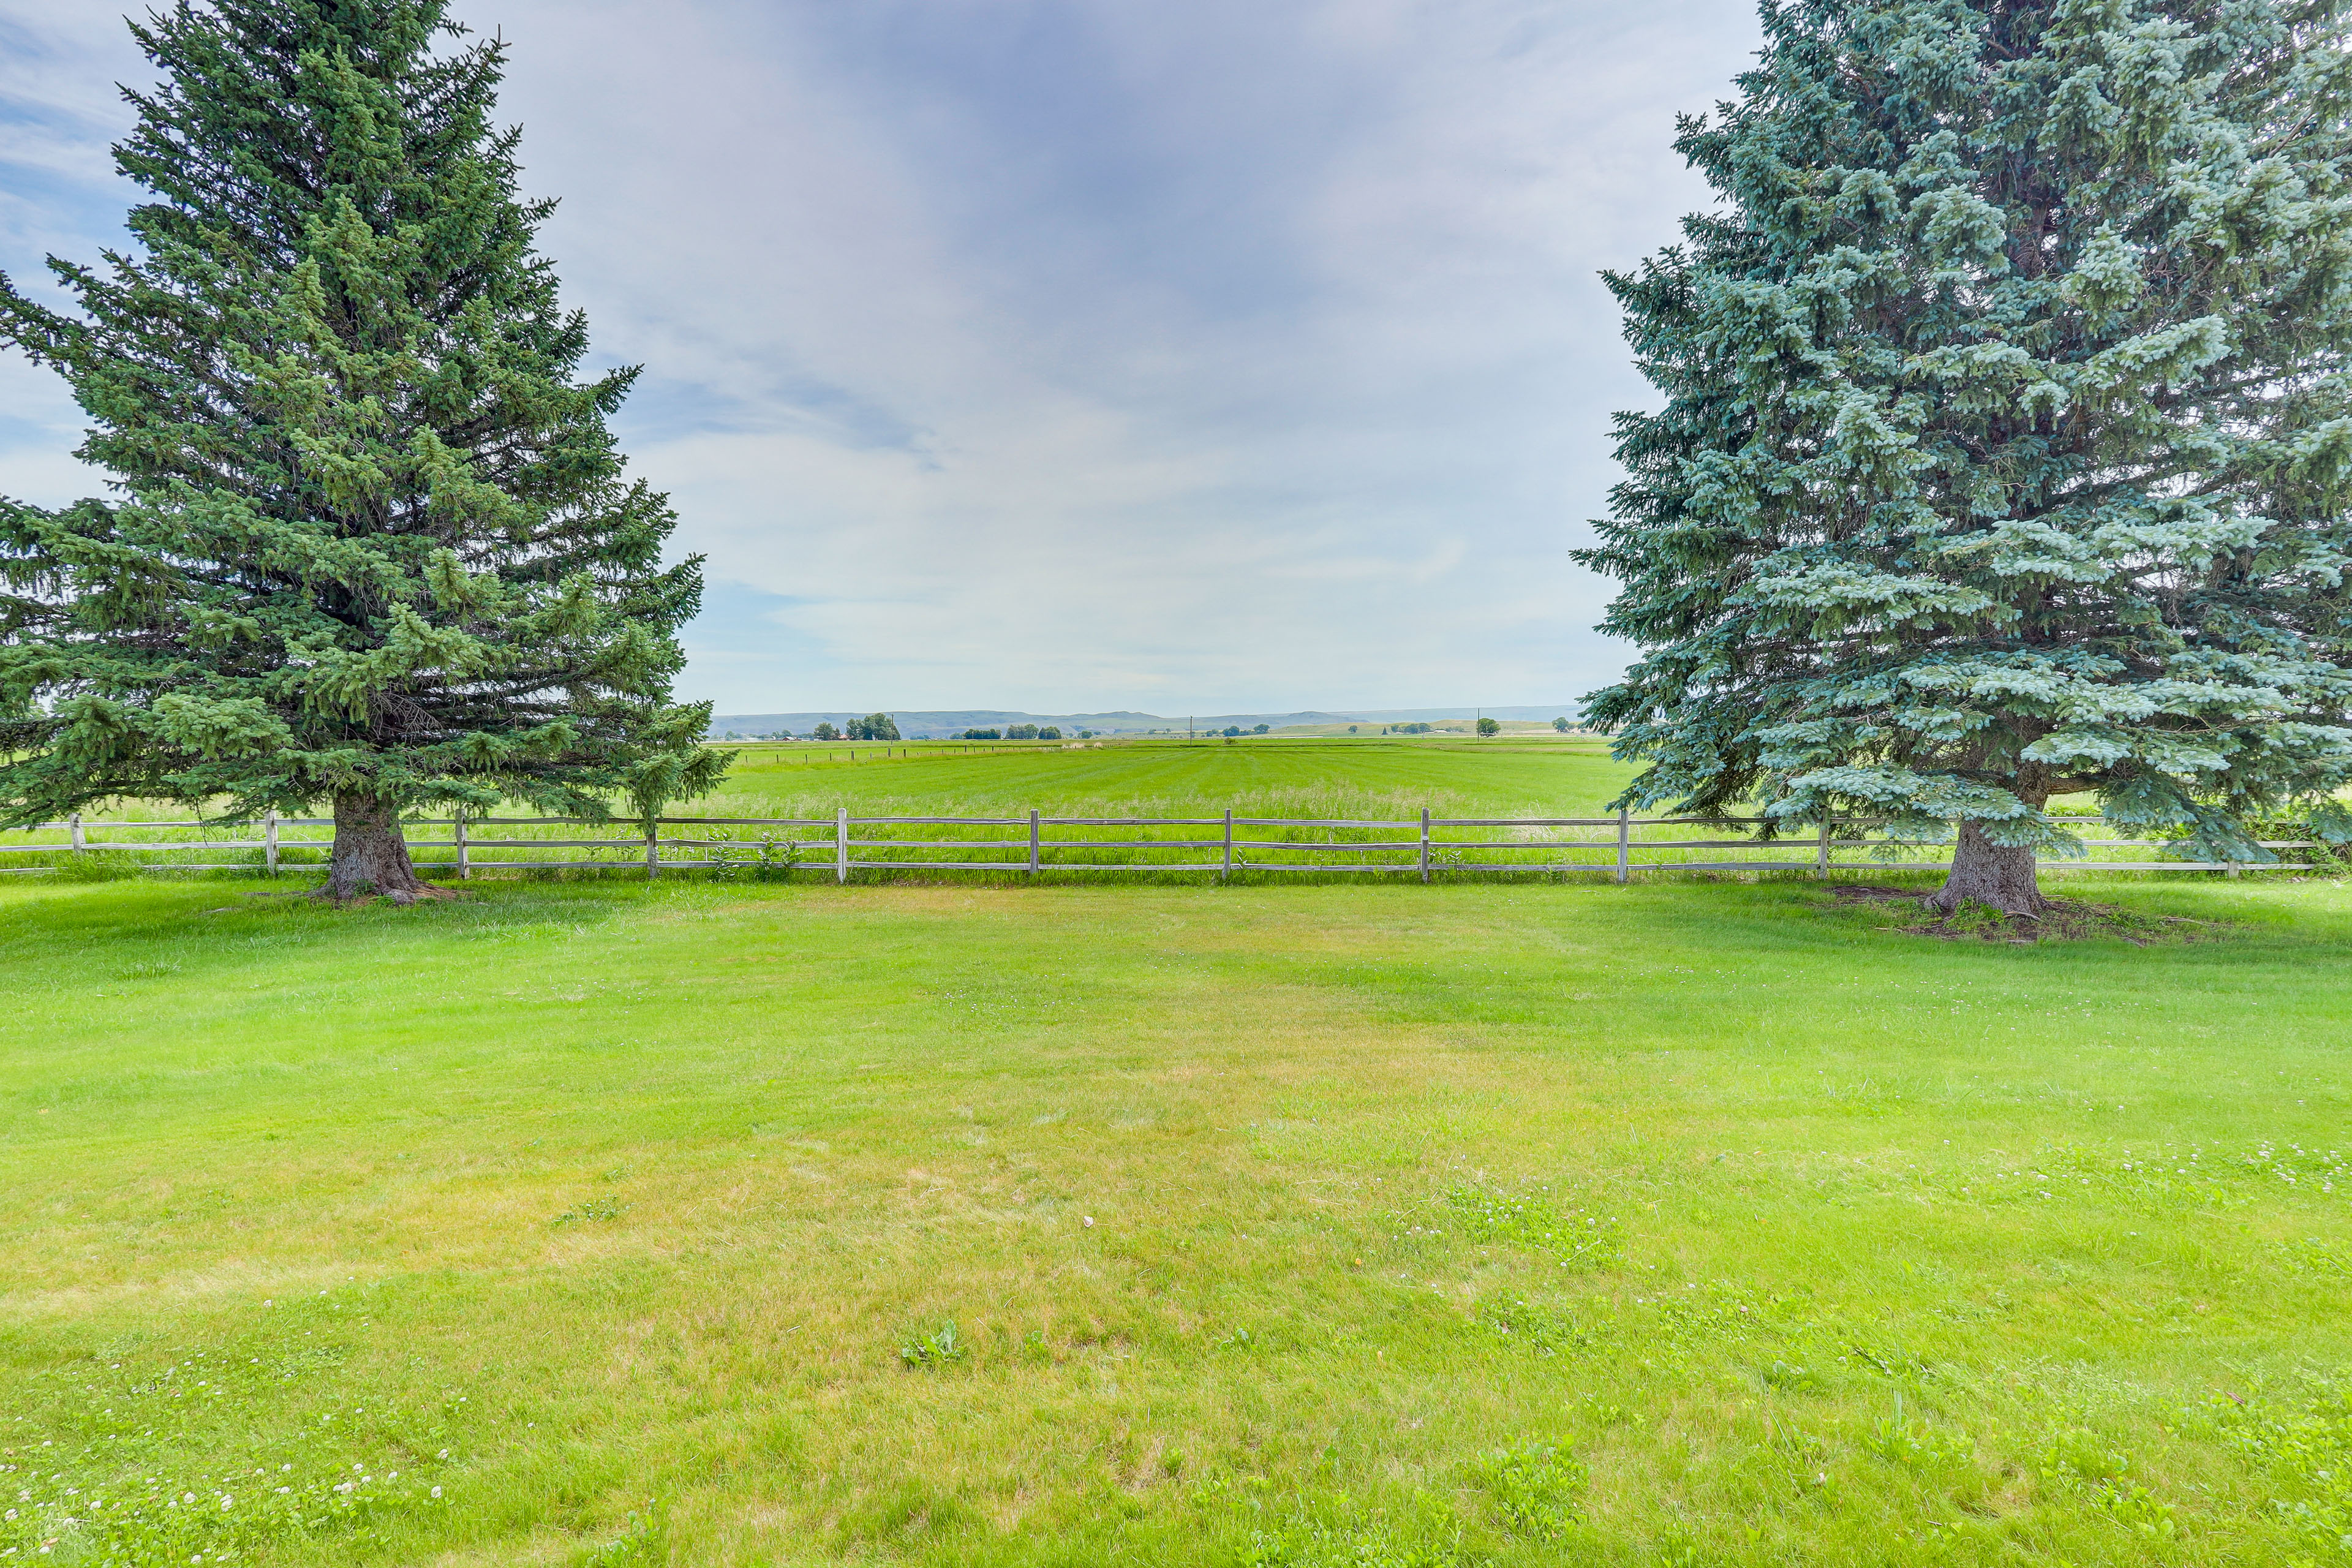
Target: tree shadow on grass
x,y
109,925
2067,920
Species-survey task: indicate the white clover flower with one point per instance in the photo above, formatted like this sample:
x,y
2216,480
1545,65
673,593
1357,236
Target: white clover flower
x,y
436,1491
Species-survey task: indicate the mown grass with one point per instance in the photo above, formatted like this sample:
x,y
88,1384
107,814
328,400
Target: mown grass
x,y
1681,1224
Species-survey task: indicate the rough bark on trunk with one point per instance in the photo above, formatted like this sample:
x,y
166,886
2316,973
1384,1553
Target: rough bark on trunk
x,y
370,855
1989,874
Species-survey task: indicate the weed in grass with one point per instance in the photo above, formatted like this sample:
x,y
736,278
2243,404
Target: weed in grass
x,y
2076,1463
92,1512
1886,1363
2303,1448
1533,1488
1601,1414
1901,1441
1577,1238
590,1210
769,857
211,1456
1720,1311
1806,1450
932,1349
1788,1378
1311,1541
640,1541
2312,1256
1547,1330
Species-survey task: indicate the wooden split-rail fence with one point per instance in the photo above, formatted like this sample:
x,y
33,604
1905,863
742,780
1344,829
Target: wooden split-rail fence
x,y
1034,845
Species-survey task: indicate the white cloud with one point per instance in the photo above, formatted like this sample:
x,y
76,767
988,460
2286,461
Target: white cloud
x,y
1074,354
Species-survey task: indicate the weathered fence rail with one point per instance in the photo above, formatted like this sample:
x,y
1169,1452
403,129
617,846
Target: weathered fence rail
x,y
1034,845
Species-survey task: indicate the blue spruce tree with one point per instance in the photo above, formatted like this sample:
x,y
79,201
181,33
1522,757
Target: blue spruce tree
x,y
2007,437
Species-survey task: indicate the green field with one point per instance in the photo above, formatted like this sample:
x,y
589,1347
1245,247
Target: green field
x,y
1262,777
1380,1225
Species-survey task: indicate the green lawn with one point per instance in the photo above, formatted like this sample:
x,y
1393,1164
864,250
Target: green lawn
x,y
1330,1224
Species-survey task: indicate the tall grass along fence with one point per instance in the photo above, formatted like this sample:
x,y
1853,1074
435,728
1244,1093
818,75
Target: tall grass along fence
x,y
1030,845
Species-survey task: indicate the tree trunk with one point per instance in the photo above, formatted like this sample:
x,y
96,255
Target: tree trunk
x,y
1989,874
370,853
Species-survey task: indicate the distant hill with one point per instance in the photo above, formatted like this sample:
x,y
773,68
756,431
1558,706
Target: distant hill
x,y
940,722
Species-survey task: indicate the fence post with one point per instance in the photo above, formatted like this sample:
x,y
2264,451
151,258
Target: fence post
x,y
1226,875
653,848
1425,844
1821,860
73,831
457,832
269,841
1033,840
1624,841
840,845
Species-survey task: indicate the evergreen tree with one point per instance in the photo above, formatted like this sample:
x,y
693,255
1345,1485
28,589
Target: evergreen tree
x,y
371,542
2007,433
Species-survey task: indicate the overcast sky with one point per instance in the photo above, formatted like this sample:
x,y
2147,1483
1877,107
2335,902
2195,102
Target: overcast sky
x,y
1063,355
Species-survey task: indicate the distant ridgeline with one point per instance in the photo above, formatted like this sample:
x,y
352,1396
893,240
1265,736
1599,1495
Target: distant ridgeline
x,y
948,724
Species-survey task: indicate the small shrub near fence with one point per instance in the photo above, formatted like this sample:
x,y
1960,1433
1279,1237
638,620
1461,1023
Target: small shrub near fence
x,y
740,849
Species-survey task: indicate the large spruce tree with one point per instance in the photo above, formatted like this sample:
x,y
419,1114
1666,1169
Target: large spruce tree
x,y
371,541
2007,439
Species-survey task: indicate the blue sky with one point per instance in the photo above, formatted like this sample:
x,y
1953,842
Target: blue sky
x,y
1064,354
